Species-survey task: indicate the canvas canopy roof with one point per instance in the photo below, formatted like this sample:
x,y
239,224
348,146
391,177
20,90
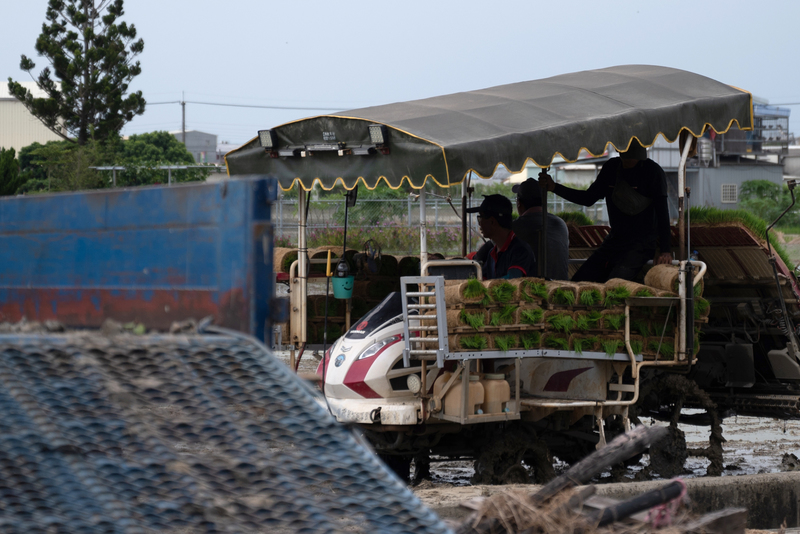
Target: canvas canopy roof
x,y
443,138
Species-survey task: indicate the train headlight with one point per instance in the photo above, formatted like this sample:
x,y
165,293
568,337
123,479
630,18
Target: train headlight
x,y
380,346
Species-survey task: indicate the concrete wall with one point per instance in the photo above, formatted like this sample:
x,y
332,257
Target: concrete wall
x,y
707,182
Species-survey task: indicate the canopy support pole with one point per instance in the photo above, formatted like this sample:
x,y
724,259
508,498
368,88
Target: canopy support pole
x,y
682,252
423,230
464,236
302,257
542,252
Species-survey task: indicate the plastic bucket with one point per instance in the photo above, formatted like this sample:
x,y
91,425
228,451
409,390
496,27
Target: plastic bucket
x,y
343,287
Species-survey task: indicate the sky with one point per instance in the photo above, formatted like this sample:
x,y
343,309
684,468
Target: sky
x,y
333,56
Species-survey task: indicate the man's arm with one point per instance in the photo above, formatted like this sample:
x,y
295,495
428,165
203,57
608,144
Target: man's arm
x,y
595,192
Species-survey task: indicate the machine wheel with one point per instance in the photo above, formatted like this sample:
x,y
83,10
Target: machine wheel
x,y
399,463
500,460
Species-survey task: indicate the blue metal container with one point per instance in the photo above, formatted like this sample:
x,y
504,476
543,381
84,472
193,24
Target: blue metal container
x,y
152,255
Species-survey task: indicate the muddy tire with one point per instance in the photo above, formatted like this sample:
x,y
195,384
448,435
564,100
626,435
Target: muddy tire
x,y
500,461
668,455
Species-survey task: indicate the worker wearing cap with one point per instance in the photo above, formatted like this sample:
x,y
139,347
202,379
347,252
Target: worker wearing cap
x,y
635,189
528,227
510,257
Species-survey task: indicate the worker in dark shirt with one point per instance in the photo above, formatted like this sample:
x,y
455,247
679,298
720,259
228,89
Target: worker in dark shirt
x,y
635,189
528,227
510,257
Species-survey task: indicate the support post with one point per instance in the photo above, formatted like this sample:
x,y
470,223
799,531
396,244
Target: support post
x,y
423,229
682,252
542,252
464,215
302,257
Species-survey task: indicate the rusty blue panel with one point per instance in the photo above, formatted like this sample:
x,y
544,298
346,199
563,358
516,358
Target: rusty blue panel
x,y
150,254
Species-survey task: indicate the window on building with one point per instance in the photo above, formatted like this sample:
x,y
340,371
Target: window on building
x,y
730,194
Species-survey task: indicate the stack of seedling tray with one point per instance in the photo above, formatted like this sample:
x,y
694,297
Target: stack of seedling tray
x,y
532,313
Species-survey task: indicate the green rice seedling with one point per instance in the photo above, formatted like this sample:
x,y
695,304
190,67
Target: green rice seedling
x,y
474,289
662,329
561,322
637,346
590,297
533,316
556,342
641,326
667,348
586,321
579,344
563,296
613,321
476,342
575,218
503,292
644,292
537,289
505,343
530,340
701,307
615,296
506,315
610,346
474,319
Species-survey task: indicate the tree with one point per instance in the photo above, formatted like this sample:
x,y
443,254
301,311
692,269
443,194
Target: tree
x,y
768,200
10,179
91,55
142,153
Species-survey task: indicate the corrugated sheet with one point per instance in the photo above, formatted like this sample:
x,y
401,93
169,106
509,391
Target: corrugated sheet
x,y
193,433
18,128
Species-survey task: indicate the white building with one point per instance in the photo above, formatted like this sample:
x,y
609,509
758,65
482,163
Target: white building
x,y
18,128
202,145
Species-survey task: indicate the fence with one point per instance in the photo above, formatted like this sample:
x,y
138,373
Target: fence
x,y
394,223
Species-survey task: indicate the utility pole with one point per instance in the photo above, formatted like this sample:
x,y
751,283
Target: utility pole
x,y
183,118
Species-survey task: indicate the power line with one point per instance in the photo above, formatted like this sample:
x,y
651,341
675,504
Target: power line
x,y
241,105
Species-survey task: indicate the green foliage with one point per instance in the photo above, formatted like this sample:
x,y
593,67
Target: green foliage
x,y
533,316
644,292
10,177
579,344
641,326
590,297
505,343
373,207
283,241
476,342
503,292
616,296
767,201
533,289
575,218
143,152
586,321
666,348
563,296
613,321
474,289
610,346
64,166
701,307
473,319
637,346
556,342
92,57
506,315
561,322
530,340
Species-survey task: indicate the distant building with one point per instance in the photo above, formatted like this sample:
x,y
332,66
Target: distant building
x,y
223,147
18,128
202,146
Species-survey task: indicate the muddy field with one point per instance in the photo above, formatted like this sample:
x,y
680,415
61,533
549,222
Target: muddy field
x,y
752,446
